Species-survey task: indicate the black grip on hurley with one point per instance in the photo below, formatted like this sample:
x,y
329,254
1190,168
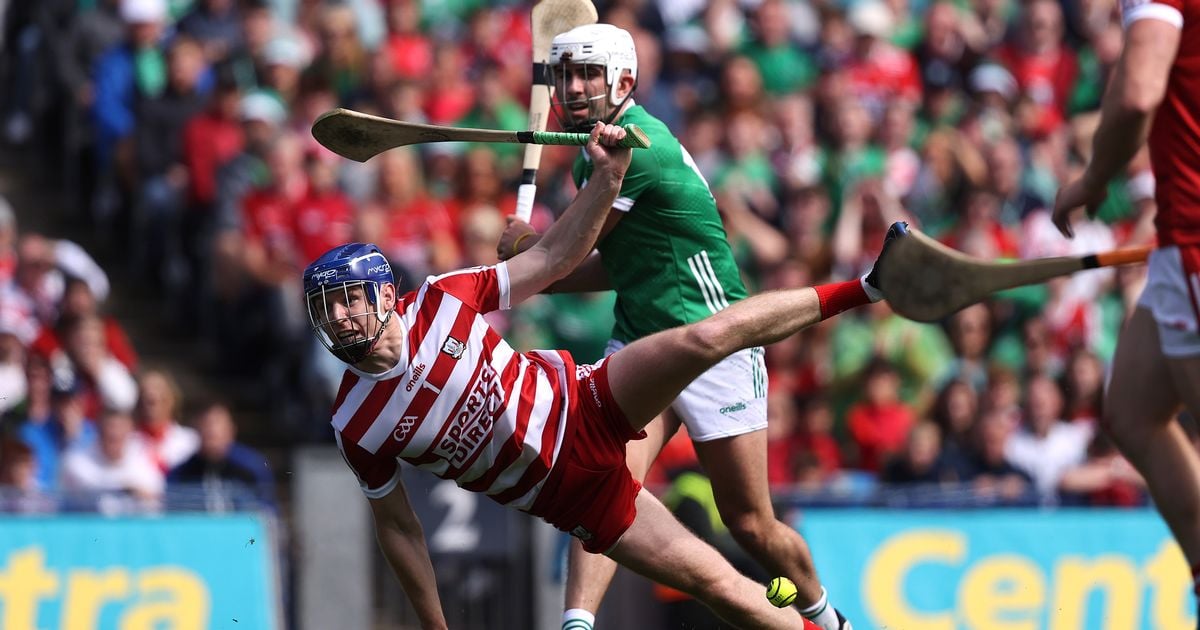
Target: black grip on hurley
x,y
541,73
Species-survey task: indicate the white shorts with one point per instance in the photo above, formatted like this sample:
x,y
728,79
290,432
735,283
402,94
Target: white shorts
x,y
729,399
1171,295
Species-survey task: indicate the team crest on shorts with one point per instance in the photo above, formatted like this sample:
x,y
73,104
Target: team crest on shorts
x,y
453,347
581,533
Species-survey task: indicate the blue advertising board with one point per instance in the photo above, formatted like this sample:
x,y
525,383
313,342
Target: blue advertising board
x,y
1001,569
182,572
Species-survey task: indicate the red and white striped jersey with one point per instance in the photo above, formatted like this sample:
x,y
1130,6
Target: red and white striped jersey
x,y
461,403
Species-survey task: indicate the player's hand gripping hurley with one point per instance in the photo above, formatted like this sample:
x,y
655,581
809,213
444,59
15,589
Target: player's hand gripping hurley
x,y
548,18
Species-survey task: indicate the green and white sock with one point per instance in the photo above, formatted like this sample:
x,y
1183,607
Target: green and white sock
x,y
578,619
821,613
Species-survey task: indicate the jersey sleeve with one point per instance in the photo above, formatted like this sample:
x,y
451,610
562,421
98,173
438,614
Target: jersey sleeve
x,y
484,289
643,174
377,475
1169,11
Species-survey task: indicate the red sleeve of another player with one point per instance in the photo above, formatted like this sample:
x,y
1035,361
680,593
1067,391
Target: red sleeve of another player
x,y
377,475
481,288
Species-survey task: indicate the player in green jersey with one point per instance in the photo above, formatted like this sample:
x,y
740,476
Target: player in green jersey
x,y
664,250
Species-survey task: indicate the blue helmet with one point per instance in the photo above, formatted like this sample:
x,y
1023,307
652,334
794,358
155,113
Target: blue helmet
x,y
329,280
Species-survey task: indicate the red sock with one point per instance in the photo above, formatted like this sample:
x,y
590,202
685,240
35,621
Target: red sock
x,y
841,296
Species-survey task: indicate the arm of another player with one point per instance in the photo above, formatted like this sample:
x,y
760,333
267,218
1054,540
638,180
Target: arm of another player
x,y
588,276
560,250
402,541
1138,86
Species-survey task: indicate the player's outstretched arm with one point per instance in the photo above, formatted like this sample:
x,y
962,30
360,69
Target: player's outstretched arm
x,y
1138,87
402,541
571,238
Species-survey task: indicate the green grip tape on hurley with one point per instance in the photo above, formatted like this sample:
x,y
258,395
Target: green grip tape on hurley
x,y
634,138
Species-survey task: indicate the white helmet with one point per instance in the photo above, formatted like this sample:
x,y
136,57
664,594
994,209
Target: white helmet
x,y
599,44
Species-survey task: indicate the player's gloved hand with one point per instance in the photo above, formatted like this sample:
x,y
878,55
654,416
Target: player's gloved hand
x,y
605,155
518,234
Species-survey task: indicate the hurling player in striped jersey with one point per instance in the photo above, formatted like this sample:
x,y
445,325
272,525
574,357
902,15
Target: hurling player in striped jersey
x,y
431,385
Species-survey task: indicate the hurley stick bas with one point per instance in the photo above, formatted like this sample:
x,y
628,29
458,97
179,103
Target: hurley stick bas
x,y
548,18
925,281
360,136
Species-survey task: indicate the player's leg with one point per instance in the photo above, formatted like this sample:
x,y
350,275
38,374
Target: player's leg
x,y
648,374
725,411
588,574
659,547
737,467
1139,413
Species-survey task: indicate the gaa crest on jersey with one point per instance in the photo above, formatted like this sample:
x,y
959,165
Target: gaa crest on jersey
x,y
453,347
403,428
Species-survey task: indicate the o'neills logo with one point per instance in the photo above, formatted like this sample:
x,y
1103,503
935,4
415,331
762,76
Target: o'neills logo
x,y
416,377
400,433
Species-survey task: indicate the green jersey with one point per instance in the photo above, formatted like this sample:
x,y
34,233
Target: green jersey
x,y
668,258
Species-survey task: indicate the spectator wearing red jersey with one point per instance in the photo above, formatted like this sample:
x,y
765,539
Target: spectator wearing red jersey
x,y
879,425
449,94
324,215
879,72
413,229
407,47
79,302
269,247
1045,68
210,139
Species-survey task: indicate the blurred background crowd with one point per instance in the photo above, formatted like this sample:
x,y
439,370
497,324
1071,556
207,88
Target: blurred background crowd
x,y
172,137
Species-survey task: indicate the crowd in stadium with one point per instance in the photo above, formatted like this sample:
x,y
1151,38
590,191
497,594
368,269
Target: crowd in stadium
x,y
183,125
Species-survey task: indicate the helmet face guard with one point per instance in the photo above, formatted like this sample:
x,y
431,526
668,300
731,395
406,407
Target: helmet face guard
x,y
601,107
355,343
344,286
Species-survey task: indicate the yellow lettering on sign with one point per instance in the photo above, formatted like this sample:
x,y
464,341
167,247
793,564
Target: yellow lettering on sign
x,y
88,591
174,597
1075,578
23,586
1170,581
1002,592
887,571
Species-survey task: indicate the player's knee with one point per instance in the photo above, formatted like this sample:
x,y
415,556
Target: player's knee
x,y
751,530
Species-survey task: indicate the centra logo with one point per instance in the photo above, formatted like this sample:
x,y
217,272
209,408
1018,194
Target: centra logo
x,y
733,408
